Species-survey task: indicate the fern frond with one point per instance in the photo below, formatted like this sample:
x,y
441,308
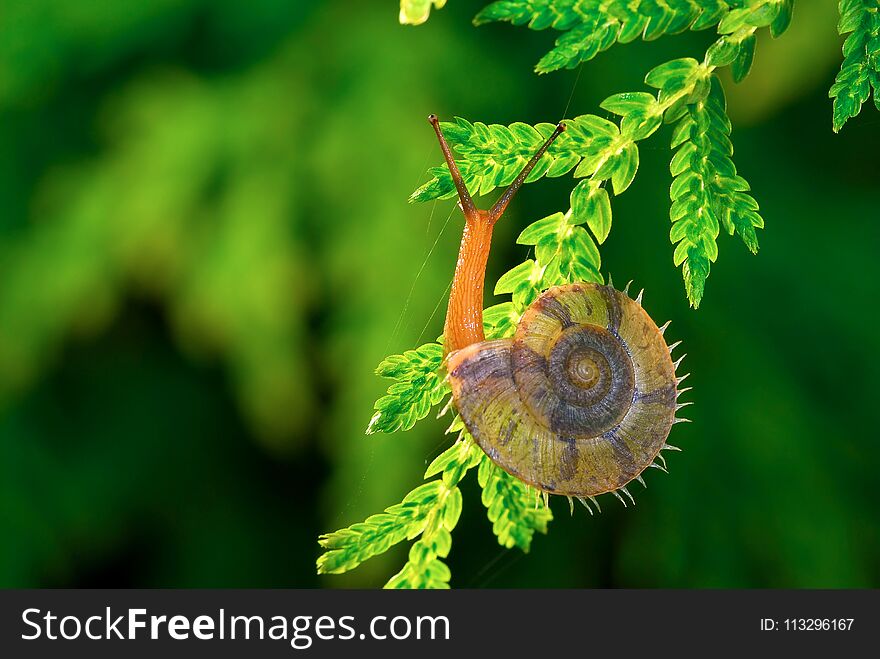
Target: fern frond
x,y
424,570
500,321
348,548
592,27
455,461
860,71
492,155
706,192
431,511
564,253
416,12
515,510
417,388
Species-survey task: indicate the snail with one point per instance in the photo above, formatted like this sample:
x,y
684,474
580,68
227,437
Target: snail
x,y
581,399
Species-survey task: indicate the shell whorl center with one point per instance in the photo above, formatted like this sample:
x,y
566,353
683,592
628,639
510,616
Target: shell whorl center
x,y
583,385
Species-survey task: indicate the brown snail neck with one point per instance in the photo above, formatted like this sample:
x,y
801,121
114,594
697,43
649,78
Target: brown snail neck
x,y
464,314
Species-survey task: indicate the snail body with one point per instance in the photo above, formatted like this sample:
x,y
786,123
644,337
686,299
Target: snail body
x,y
579,401
583,396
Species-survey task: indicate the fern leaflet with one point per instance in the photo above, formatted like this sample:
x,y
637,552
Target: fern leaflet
x,y
416,12
510,505
860,71
592,26
706,192
416,389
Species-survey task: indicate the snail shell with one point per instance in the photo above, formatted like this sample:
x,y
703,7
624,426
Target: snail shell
x,y
579,401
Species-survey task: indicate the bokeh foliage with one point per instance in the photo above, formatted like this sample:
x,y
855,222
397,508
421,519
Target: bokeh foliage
x,y
205,249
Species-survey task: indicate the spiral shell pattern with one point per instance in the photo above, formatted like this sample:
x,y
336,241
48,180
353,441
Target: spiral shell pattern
x,y
579,401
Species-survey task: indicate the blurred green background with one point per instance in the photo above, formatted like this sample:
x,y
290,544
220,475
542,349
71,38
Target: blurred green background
x,y
205,249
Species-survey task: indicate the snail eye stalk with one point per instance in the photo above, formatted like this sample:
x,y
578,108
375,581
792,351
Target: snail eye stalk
x,y
501,205
464,197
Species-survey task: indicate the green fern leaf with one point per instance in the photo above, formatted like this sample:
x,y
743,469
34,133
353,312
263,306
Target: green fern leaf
x,y
592,27
590,204
455,461
564,253
515,510
416,12
706,192
860,71
522,281
492,155
431,511
783,18
424,569
348,548
417,388
500,321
